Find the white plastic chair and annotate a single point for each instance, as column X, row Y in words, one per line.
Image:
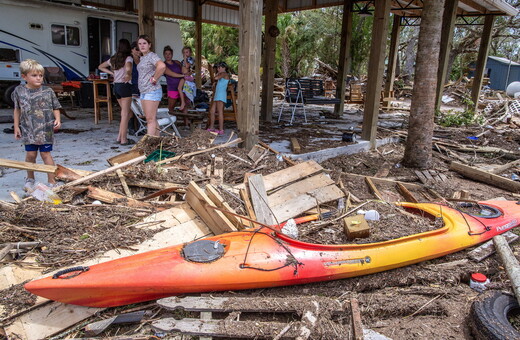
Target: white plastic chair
column 164, row 119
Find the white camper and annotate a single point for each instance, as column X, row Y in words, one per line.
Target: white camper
column 75, row 38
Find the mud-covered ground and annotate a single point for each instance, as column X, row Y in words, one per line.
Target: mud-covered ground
column 429, row 300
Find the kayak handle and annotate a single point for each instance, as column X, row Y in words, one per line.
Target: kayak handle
column 79, row 269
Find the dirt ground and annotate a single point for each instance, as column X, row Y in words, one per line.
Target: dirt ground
column 429, row 300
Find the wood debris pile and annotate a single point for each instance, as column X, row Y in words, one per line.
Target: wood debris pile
column 228, row 189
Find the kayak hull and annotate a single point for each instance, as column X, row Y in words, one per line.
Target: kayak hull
column 263, row 258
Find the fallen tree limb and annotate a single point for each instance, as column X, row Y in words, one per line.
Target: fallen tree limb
column 168, row 160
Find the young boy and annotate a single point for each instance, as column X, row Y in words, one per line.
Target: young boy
column 36, row 116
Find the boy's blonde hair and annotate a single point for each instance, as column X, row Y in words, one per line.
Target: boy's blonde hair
column 31, row 65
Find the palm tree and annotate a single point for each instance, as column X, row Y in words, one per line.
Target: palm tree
column 418, row 151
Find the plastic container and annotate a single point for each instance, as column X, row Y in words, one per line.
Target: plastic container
column 45, row 194
column 478, row 282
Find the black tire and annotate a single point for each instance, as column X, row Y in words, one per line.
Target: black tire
column 7, row 95
column 489, row 316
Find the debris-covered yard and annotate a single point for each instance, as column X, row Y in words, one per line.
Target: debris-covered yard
column 145, row 206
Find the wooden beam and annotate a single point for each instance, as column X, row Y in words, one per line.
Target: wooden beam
column 146, row 20
column 113, row 198
column 344, row 57
column 483, row 52
column 486, row 177
column 392, row 56
column 198, row 43
column 448, row 29
column 295, row 146
column 214, row 219
column 250, row 38
column 218, row 201
column 269, row 63
column 375, row 70
column 27, row 166
column 263, row 212
column 510, row 263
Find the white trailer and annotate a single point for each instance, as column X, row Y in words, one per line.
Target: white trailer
column 75, row 38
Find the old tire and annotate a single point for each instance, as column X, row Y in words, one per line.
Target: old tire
column 7, row 95
column 489, row 316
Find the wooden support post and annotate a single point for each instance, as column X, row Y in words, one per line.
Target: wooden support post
column 392, row 57
column 344, row 57
column 483, row 51
column 250, row 37
column 268, row 64
column 375, row 70
column 448, row 29
column 510, row 263
column 147, row 19
column 198, row 42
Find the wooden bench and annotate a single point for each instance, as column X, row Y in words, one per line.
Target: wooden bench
column 299, row 92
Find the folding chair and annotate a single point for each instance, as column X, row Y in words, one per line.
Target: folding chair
column 164, row 119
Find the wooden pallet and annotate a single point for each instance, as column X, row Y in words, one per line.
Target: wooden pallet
column 308, row 308
column 426, row 176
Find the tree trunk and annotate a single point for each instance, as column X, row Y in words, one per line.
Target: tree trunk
column 418, row 152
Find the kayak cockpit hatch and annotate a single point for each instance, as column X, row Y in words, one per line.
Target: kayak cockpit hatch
column 479, row 210
column 203, row 251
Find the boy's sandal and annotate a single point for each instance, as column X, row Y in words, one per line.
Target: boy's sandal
column 129, row 142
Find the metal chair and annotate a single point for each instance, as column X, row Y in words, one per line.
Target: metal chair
column 164, row 119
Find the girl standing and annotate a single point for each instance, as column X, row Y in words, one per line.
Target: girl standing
column 120, row 65
column 173, row 74
column 219, row 98
column 150, row 69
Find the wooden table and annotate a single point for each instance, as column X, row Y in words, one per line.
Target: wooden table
column 196, row 116
column 102, row 99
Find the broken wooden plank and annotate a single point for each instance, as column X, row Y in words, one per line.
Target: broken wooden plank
column 260, row 201
column 357, row 325
column 219, row 304
column 304, row 202
column 97, row 327
column 218, row 171
column 486, row 177
column 487, row 249
column 248, row 206
column 66, row 174
column 376, row 180
column 510, row 263
column 125, row 156
column 218, row 201
column 373, row 188
column 356, row 227
column 112, row 198
column 27, row 166
column 150, row 184
column 286, row 159
column 289, row 175
column 256, row 152
column 408, row 196
column 101, row 173
column 226, row 328
column 421, row 176
column 295, row 146
column 172, row 159
column 200, row 202
column 501, row 168
column 298, row 188
column 123, row 183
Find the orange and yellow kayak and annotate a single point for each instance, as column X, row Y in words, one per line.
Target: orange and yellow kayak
column 263, row 257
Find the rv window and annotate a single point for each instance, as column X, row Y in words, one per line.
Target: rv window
column 58, row 34
column 72, row 36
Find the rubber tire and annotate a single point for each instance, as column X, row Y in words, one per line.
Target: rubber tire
column 488, row 318
column 7, row 95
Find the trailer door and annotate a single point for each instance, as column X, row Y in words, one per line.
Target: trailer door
column 99, row 42
column 126, row 30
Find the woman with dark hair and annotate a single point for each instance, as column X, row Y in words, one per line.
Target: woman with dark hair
column 173, row 74
column 150, row 69
column 120, row 67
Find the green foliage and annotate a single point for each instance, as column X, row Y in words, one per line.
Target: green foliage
column 459, row 118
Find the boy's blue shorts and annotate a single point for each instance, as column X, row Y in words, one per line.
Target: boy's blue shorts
column 42, row 148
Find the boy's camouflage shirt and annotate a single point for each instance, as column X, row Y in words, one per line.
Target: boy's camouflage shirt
column 36, row 116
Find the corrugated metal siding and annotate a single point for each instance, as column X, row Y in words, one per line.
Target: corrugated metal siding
column 182, row 8
column 499, row 71
column 222, row 15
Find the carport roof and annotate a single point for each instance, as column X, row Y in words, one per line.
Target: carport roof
column 225, row 12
